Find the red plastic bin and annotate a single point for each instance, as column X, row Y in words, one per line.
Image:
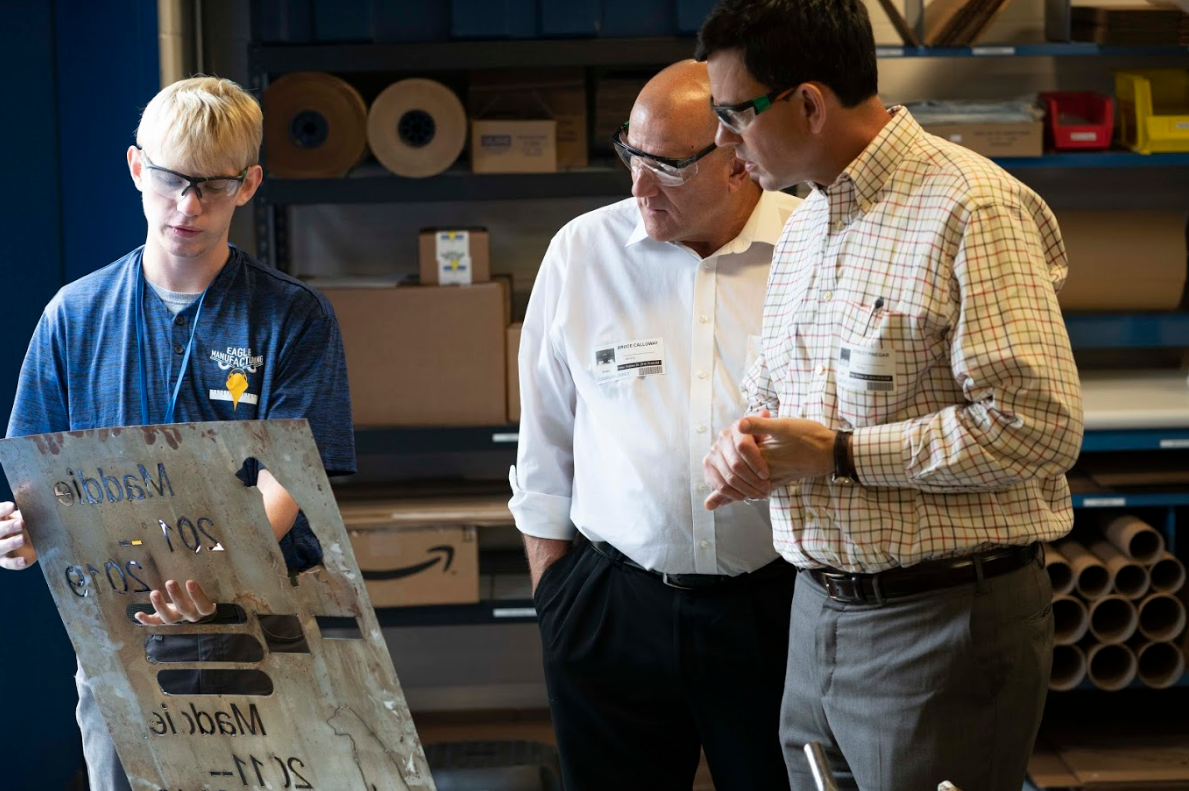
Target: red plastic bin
column 1078, row 120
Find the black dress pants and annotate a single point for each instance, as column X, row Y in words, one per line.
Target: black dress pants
column 641, row 675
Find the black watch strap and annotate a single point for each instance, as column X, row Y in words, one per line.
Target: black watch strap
column 844, row 471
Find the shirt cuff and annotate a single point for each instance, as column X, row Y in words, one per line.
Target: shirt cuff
column 879, row 458
column 540, row 515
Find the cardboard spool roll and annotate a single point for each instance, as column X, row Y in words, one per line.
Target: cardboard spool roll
column 1059, row 571
column 1167, row 574
column 1135, row 538
column 1069, row 667
column 1161, row 617
column 1091, row 578
column 417, row 128
column 1071, row 620
column 1128, row 578
column 315, row 126
column 1159, row 665
column 1113, row 619
column 1110, row 666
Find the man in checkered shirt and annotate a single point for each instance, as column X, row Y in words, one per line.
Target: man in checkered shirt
column 914, row 409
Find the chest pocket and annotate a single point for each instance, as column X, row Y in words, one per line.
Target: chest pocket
column 882, row 358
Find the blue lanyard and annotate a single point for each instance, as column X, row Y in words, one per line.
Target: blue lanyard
column 141, row 331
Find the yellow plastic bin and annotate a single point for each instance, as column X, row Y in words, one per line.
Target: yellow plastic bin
column 1153, row 109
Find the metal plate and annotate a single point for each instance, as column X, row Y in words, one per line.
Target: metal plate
column 116, row 512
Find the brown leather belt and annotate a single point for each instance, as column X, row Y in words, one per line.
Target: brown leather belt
column 688, row 581
column 843, row 586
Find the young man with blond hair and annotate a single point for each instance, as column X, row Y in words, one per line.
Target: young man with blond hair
column 186, row 328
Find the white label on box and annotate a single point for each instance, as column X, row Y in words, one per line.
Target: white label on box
column 1083, row 137
column 1175, row 442
column 454, row 258
column 867, row 369
column 1182, row 124
column 630, row 360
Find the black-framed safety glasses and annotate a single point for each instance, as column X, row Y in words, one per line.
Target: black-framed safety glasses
column 737, row 117
column 175, row 186
column 668, row 172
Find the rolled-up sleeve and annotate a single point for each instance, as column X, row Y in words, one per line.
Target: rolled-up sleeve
column 542, row 480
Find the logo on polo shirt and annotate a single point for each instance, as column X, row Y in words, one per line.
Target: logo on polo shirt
column 239, row 362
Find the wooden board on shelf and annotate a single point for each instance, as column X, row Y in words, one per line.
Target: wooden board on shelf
column 489, row 510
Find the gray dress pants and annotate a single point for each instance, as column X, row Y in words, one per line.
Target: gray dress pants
column 944, row 685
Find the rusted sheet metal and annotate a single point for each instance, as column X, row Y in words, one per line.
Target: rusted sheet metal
column 115, row 512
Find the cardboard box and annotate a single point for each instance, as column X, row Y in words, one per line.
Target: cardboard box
column 528, row 94
column 1024, row 139
column 425, row 355
column 514, row 373
column 454, row 256
column 514, row 146
column 1123, row 260
column 404, row 566
column 421, row 550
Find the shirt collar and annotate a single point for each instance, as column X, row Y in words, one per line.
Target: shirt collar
column 871, row 169
column 764, row 226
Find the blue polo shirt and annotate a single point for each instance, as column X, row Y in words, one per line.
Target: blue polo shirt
column 258, row 327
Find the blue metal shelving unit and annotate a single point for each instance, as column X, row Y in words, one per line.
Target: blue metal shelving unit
column 1046, row 50
column 1128, row 330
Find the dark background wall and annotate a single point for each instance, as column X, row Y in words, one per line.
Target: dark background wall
column 78, row 75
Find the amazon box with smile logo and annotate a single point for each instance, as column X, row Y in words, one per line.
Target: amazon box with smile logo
column 416, row 551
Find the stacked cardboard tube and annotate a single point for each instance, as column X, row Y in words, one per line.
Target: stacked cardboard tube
column 1116, row 610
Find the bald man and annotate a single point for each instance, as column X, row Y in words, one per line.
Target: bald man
column 663, row 624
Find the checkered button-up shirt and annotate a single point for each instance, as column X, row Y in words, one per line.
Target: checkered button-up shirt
column 914, row 301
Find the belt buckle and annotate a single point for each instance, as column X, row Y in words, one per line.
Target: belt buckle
column 837, row 591
column 665, row 578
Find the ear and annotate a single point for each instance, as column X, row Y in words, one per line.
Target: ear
column 135, row 167
column 812, row 102
column 736, row 173
column 252, row 180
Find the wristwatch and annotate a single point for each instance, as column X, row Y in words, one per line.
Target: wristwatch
column 844, row 471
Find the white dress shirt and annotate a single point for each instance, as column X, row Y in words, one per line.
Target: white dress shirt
column 631, row 359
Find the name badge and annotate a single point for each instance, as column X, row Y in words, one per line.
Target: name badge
column 867, row 369
column 629, row 360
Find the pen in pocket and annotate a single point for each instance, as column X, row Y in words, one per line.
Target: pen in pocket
column 878, row 306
